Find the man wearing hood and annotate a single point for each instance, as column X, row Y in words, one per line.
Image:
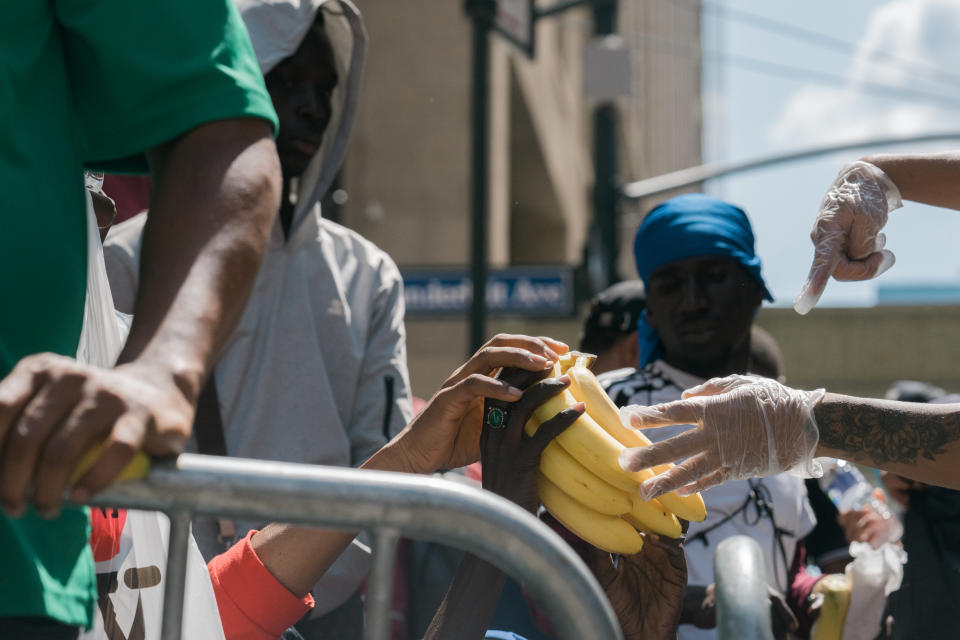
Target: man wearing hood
column 695, row 255
column 316, row 370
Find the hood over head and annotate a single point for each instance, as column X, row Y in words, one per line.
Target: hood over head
column 277, row 27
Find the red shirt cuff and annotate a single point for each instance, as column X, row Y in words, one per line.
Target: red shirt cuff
column 253, row 604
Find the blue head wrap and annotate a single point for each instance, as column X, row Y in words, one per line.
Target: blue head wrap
column 688, row 226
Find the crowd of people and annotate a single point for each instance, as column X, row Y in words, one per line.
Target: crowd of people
column 254, row 327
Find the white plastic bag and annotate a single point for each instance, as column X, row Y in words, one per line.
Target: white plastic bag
column 136, row 576
column 874, row 574
column 104, row 329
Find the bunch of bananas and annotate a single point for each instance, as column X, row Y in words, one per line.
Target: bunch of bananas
column 581, row 482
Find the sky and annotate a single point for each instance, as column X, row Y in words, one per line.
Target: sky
column 857, row 70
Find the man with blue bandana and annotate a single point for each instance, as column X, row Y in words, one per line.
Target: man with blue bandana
column 695, row 255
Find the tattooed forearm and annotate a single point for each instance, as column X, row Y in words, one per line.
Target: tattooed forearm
column 883, row 432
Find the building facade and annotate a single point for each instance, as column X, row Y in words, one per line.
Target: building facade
column 406, row 178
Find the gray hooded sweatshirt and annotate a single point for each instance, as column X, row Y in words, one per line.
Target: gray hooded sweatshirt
column 316, row 370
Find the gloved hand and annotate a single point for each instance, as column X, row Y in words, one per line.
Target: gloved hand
column 746, row 426
column 847, row 242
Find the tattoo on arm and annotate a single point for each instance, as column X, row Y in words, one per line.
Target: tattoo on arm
column 887, row 432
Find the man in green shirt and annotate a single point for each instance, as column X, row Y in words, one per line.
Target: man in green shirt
column 171, row 87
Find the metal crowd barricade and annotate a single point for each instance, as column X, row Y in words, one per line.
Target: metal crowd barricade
column 743, row 606
column 386, row 504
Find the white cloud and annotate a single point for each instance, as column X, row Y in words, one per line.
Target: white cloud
column 905, row 41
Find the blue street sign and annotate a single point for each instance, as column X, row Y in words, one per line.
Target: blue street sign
column 517, row 290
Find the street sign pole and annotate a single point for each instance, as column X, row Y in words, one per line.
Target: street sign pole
column 482, row 13
column 515, row 20
column 606, row 187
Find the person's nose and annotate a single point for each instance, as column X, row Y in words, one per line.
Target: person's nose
column 310, row 104
column 694, row 294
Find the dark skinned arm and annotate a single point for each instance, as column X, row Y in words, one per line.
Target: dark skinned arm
column 216, row 192
column 469, row 603
column 510, row 465
column 445, row 435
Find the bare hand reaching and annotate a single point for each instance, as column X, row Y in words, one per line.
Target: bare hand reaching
column 446, row 434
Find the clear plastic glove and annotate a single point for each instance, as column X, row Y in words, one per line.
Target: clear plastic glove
column 847, row 242
column 746, row 426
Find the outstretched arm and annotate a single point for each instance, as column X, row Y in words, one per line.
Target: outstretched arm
column 445, row 435
column 510, row 465
column 847, row 237
column 928, row 178
column 748, row 426
column 917, row 441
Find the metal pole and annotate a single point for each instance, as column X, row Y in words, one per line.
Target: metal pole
column 416, row 506
column 606, row 189
column 380, row 590
column 176, row 577
column 481, row 12
column 694, row 175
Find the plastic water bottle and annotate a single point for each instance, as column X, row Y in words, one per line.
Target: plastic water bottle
column 848, row 489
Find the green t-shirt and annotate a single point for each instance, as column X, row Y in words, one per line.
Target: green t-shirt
column 90, row 83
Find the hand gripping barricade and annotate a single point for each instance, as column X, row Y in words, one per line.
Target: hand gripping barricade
column 388, row 505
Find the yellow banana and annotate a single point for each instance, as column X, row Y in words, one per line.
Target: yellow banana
column 636, row 524
column 592, row 447
column 835, row 589
column 557, row 369
column 577, row 481
column 581, row 484
column 609, row 533
column 687, row 507
column 653, row 517
column 585, row 388
column 565, row 361
column 574, row 358
column 138, row 467
column 585, row 360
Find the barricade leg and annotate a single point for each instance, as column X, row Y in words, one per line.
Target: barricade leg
column 176, row 578
column 743, row 608
column 380, row 588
